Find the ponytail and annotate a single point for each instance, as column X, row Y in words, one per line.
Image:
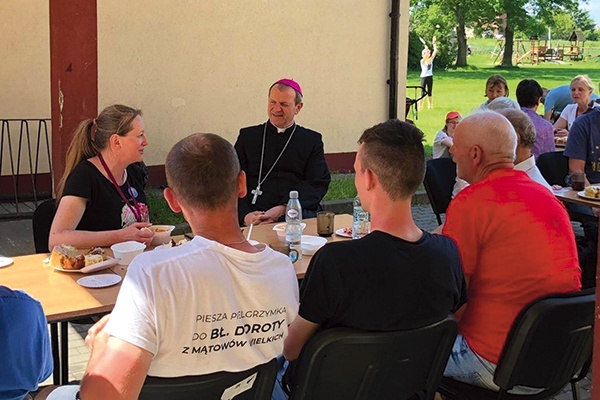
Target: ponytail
column 82, row 147
column 92, row 136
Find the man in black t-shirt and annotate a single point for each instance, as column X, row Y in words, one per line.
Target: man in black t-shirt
column 397, row 277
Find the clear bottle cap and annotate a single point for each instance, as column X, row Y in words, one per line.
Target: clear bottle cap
column 293, row 194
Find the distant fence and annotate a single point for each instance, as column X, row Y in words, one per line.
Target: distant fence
column 25, row 166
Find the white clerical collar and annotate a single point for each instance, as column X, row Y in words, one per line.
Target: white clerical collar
column 282, row 130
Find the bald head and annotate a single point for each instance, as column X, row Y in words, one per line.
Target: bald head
column 483, row 142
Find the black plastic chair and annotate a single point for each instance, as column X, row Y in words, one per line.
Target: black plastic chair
column 42, row 221
column 342, row 363
column 548, row 345
column 440, row 177
column 261, row 380
column 554, row 167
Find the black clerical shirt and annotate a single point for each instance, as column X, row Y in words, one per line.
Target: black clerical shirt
column 302, row 167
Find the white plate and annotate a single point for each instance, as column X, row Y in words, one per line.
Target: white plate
column 99, row 281
column 340, row 232
column 310, row 244
column 109, row 262
column 582, row 194
column 5, row 261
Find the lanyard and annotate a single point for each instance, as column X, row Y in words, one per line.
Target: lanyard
column 134, row 208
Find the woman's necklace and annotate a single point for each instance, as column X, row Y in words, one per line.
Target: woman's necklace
column 257, row 192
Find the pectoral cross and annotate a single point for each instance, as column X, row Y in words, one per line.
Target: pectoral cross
column 256, row 192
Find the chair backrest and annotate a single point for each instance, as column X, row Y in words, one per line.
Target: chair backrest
column 440, row 176
column 42, row 221
column 341, row 363
column 549, row 342
column 554, row 167
column 261, row 380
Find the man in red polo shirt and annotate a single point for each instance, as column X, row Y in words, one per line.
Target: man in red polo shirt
column 515, row 240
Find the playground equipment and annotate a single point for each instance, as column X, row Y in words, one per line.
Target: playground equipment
column 539, row 50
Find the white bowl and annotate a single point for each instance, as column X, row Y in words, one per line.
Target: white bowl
column 162, row 234
column 310, row 244
column 125, row 252
column 280, row 229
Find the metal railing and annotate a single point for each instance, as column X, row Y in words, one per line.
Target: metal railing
column 21, row 188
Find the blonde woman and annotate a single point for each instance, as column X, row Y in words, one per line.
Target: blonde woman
column 581, row 90
column 427, row 58
column 101, row 194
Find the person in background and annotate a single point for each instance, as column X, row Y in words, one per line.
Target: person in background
column 24, row 344
column 279, row 156
column 582, row 146
column 496, row 86
column 503, row 103
column 427, row 58
column 529, row 95
column 443, row 139
column 581, row 90
column 101, row 199
column 526, row 136
column 398, row 276
column 556, row 100
column 501, row 211
column 173, row 301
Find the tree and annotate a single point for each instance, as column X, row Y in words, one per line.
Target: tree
column 428, row 20
column 584, row 22
column 452, row 15
column 520, row 15
column 562, row 25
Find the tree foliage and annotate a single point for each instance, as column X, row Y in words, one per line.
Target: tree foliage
column 518, row 19
column 425, row 23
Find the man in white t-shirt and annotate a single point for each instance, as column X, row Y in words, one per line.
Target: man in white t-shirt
column 216, row 303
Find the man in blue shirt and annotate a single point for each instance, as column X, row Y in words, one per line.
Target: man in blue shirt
column 24, row 344
column 583, row 146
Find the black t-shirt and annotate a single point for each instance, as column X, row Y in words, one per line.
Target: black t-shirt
column 383, row 283
column 302, row 167
column 105, row 209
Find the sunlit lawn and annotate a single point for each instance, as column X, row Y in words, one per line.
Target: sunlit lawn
column 463, row 89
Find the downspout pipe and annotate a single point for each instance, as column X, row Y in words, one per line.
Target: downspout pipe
column 393, row 79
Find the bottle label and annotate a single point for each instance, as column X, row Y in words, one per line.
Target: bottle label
column 294, row 255
column 292, row 213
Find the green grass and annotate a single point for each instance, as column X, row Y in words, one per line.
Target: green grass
column 462, row 89
column 160, row 213
column 341, row 187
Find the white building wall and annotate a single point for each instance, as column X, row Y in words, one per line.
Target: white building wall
column 205, row 66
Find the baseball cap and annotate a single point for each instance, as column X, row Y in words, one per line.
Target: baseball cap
column 452, row 115
column 291, row 83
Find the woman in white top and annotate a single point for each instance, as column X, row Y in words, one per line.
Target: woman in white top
column 443, row 139
column 581, row 90
column 427, row 72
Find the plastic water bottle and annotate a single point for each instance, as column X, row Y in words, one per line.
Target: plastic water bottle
column 362, row 220
column 293, row 227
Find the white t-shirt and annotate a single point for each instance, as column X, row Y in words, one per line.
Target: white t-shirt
column 440, row 150
column 569, row 113
column 203, row 307
column 426, row 68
